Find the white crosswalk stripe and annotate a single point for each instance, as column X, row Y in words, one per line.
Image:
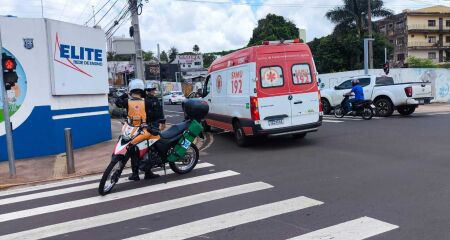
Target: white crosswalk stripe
column 77, row 188
column 69, row 226
column 232, row 219
column 357, row 229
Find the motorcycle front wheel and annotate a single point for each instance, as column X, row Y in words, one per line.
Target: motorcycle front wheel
column 186, row 163
column 111, row 175
column 367, row 113
column 339, row 111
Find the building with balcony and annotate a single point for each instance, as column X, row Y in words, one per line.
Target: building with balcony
column 422, row 33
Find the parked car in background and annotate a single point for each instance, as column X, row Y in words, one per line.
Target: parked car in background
column 173, row 97
column 386, row 95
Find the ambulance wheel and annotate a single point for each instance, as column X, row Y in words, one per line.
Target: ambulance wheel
column 188, row 162
column 170, row 102
column 239, row 135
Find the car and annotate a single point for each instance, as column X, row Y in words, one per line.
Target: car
column 386, row 95
column 193, row 95
column 173, row 97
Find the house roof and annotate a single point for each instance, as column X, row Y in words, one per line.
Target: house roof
column 433, row 9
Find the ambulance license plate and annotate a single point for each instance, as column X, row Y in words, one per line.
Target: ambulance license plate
column 276, row 122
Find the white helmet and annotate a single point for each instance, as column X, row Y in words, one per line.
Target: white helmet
column 136, row 85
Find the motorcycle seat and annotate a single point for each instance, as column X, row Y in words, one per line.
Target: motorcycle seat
column 174, row 130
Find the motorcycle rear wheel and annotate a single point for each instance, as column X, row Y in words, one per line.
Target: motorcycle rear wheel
column 111, row 175
column 339, row 111
column 367, row 113
column 188, row 162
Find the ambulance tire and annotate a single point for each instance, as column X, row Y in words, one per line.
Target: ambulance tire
column 239, row 135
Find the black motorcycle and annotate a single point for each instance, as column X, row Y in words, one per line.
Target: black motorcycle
column 364, row 109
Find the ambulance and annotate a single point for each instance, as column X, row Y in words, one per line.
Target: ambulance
column 266, row 90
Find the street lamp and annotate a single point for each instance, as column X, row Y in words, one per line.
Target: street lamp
column 366, row 54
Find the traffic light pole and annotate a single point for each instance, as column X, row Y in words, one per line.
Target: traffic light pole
column 8, row 128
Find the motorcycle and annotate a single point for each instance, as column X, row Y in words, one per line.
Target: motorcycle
column 364, row 108
column 156, row 153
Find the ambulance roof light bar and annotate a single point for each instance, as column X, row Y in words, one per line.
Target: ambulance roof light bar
column 281, row 42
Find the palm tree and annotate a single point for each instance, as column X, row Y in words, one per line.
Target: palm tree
column 353, row 14
column 196, row 48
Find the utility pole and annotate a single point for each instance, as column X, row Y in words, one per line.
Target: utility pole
column 139, row 67
column 366, row 54
column 93, row 13
column 42, row 9
column 8, row 125
column 369, row 27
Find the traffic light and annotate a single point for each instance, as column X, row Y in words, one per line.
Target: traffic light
column 386, row 68
column 9, row 71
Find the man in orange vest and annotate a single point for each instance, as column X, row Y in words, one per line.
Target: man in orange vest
column 139, row 111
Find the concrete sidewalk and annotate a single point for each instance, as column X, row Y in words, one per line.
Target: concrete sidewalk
column 435, row 107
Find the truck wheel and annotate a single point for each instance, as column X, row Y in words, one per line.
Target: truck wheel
column 406, row 110
column 326, row 107
column 239, row 135
column 384, row 107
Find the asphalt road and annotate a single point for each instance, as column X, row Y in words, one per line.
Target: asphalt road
column 386, row 178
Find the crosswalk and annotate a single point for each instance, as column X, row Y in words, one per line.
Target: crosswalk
column 333, row 119
column 73, row 209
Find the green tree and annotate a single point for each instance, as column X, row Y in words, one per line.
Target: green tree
column 196, row 48
column 344, row 51
column 414, row 62
column 173, row 52
column 208, row 59
column 353, row 14
column 273, row 27
column 164, row 57
column 148, row 56
column 113, row 57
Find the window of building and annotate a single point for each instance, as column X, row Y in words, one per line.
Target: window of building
column 412, row 35
column 400, row 57
column 391, row 25
column 197, row 63
column 431, row 39
column 399, row 24
column 189, row 65
column 431, row 23
column 447, row 39
column 400, row 41
column 432, row 55
column 391, row 41
column 383, row 29
column 447, row 23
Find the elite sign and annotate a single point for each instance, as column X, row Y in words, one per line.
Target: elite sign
column 79, row 61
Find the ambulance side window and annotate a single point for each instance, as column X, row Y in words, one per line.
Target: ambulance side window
column 301, row 74
column 272, row 77
column 207, row 87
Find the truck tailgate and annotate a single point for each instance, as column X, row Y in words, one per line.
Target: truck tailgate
column 421, row 90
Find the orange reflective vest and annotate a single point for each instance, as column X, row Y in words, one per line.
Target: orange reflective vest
column 136, row 112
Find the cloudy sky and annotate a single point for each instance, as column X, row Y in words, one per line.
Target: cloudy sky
column 214, row 25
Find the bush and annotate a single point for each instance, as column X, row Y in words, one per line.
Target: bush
column 414, row 62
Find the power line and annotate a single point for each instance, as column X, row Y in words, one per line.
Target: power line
column 125, row 7
column 97, row 12
column 98, row 23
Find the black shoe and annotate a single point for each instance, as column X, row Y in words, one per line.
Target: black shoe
column 134, row 177
column 151, row 175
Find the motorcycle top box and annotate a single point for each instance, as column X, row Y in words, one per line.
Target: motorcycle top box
column 196, row 109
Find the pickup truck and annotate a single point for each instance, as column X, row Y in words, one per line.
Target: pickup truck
column 386, row 95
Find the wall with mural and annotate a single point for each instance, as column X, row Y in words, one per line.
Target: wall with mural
column 45, row 101
column 439, row 78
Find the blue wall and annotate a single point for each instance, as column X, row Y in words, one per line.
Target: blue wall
column 40, row 135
